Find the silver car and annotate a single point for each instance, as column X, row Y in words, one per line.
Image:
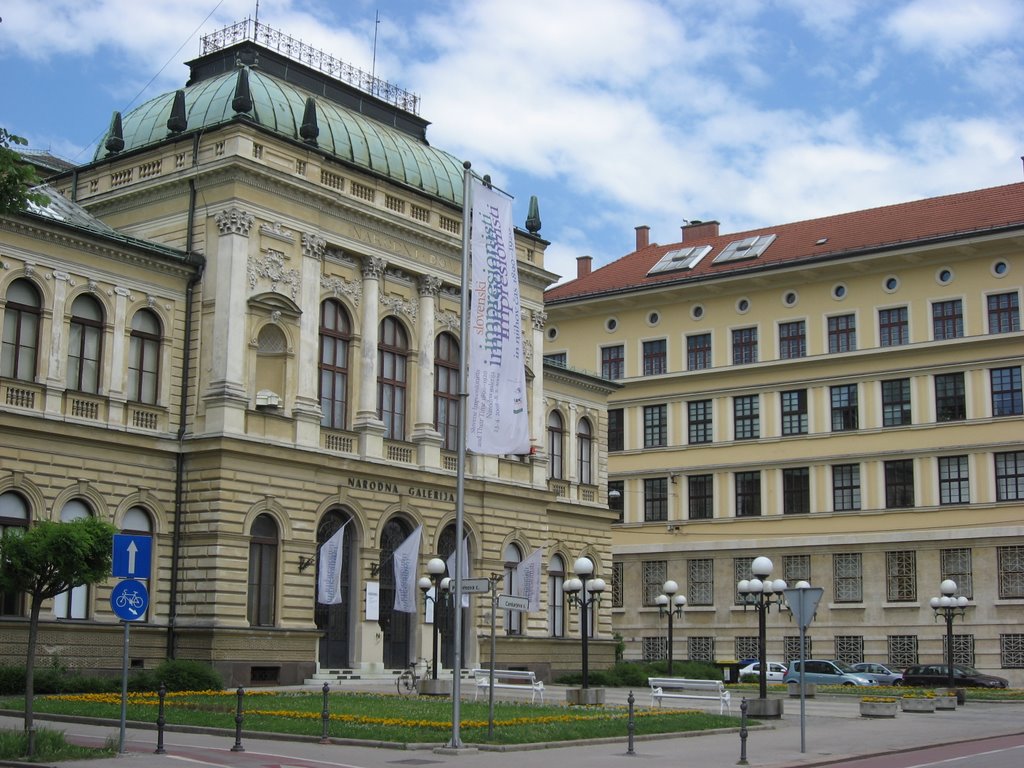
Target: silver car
column 879, row 674
column 825, row 672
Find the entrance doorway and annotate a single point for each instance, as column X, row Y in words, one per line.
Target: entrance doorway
column 395, row 626
column 335, row 621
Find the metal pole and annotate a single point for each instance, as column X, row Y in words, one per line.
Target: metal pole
column 803, row 663
column 160, row 721
column 762, row 608
column 630, row 724
column 433, row 674
column 124, row 688
column 490, row 679
column 325, row 717
column 949, row 647
column 743, row 733
column 670, row 643
column 583, row 632
column 238, row 722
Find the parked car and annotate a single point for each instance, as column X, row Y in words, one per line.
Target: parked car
column 879, row 674
column 825, row 672
column 776, row 671
column 928, row 675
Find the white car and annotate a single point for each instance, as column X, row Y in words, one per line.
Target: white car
column 776, row 671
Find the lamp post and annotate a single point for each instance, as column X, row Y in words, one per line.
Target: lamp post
column 670, row 604
column 583, row 592
column 761, row 593
column 949, row 606
column 434, row 580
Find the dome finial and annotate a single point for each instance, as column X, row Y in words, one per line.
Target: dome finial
column 309, row 129
column 115, row 135
column 533, row 216
column 177, row 122
column 242, row 102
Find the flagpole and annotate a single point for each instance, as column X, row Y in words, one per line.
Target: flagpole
column 460, row 473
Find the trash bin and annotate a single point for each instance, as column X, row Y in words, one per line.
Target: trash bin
column 730, row 671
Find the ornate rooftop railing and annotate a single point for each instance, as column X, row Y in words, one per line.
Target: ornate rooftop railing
column 250, row 29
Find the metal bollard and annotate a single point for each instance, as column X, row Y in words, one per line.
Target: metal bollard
column 630, row 724
column 160, row 721
column 743, row 733
column 238, row 723
column 325, row 718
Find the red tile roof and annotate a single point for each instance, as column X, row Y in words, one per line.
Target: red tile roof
column 936, row 218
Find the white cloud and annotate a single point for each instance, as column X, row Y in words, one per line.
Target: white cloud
column 951, row 28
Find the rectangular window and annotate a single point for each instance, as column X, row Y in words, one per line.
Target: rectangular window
column 617, row 503
column 655, row 357
column 847, row 577
column 954, row 482
column 655, row 426
column 1011, row 572
column 557, row 358
column 796, row 491
column 947, row 319
column 893, row 327
column 842, row 334
column 791, row 648
column 748, row 494
column 701, row 648
column 900, row 576
column 1003, row 313
column 747, row 417
column 845, row 412
column 849, row 648
column 746, row 647
column 1006, row 392
column 701, row 497
column 796, row 568
column 899, row 484
column 698, row 352
column 699, row 418
column 612, row 362
column 1010, row 476
column 950, row 397
column 845, row 487
column 700, row 582
column 616, row 430
column 654, row 648
column 740, row 570
column 744, row 346
column 955, row 564
column 792, row 340
column 655, row 572
column 1011, row 651
column 794, row 412
column 616, row 585
column 896, row 403
column 655, row 499
column 902, row 651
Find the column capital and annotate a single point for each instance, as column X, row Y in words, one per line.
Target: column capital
column 373, row 267
column 234, row 221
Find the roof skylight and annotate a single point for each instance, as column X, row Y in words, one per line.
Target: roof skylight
column 681, row 258
column 747, row 248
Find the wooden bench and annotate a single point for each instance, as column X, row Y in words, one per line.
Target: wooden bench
column 512, row 679
column 682, row 688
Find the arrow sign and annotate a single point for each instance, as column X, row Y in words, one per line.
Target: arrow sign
column 129, row 600
column 132, row 556
column 513, row 603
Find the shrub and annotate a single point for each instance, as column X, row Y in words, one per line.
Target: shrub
column 633, row 674
column 184, row 675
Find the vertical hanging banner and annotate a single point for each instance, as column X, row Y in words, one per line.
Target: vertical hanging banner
column 405, row 560
column 527, row 581
column 497, row 420
column 328, row 588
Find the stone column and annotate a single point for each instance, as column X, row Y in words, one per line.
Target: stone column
column 306, row 410
column 424, row 433
column 56, row 369
column 367, row 424
column 538, row 422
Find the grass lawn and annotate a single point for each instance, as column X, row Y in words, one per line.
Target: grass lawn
column 50, row 747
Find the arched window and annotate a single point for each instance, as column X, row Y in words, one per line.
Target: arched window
column 137, row 521
column 392, row 362
column 513, row 619
column 556, row 446
column 85, row 344
column 335, row 335
column 144, row 358
column 584, row 452
column 13, row 519
column 556, row 596
column 73, row 604
column 20, row 347
column 447, row 375
column 262, row 571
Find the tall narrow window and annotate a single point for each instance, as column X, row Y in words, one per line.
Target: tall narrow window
column 842, row 333
column 513, row 557
column 556, row 596
column 701, row 497
column 1006, row 392
column 899, row 483
column 744, row 346
column 700, row 582
column 655, row 426
column 955, row 564
column 144, row 358
column 616, row 430
column 262, row 571
column 845, row 412
column 655, row 499
column 947, row 319
column 14, row 517
column 447, row 371
column 954, row 480
column 1010, row 476
column 392, row 362
column 950, row 397
column 748, row 494
column 20, row 348
column 901, row 576
column 746, row 417
column 335, row 338
column 896, row 403
column 893, row 327
column 698, row 351
column 848, row 577
column 794, row 412
column 655, row 357
column 585, row 452
column 1003, row 313
column 85, row 343
column 699, row 421
column 796, row 491
column 556, row 446
column 792, row 340
column 845, row 487
column 1010, row 561
column 617, row 498
column 613, row 362
column 73, row 604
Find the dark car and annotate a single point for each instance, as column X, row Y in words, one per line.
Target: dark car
column 879, row 674
column 928, row 675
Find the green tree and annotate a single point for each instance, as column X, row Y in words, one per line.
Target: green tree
column 46, row 560
column 16, row 176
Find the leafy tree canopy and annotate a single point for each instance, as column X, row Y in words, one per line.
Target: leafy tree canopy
column 16, row 176
column 50, row 558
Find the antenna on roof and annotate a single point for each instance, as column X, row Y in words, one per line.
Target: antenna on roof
column 373, row 63
column 257, row 19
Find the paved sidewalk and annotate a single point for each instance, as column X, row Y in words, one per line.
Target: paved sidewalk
column 834, row 731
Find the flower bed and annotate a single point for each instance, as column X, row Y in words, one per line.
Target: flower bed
column 878, row 706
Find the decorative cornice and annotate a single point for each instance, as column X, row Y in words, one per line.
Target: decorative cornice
column 446, row 319
column 400, row 306
column 340, row 286
column 271, row 267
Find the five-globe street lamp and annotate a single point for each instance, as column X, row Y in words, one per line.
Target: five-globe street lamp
column 949, row 606
column 583, row 592
column 436, row 580
column 670, row 604
column 761, row 592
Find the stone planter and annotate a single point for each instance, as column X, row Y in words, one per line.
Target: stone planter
column 945, row 702
column 878, row 708
column 440, row 687
column 584, row 697
column 918, row 705
column 765, row 708
column 810, row 689
column 959, row 693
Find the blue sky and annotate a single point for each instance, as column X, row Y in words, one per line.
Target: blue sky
column 615, row 113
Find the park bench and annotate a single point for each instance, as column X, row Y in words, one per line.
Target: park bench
column 512, row 679
column 682, row 688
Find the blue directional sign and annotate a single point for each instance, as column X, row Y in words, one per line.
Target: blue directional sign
column 132, row 556
column 129, row 599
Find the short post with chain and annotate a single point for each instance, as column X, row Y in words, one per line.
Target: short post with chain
column 238, row 723
column 160, row 720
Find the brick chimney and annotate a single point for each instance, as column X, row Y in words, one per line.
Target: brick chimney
column 583, row 266
column 699, row 230
column 643, row 236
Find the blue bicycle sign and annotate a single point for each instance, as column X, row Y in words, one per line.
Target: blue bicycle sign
column 129, row 599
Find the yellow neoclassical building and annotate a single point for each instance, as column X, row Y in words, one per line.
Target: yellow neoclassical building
column 841, row 395
column 236, row 329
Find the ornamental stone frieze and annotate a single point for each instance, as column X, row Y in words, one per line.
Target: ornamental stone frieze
column 234, row 221
column 400, row 306
column 339, row 286
column 277, row 230
column 270, row 267
column 447, row 319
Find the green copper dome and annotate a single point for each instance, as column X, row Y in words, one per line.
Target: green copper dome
column 278, row 106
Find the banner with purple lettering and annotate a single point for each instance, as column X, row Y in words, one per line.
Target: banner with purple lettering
column 328, row 587
column 497, row 420
column 405, row 559
column 527, row 579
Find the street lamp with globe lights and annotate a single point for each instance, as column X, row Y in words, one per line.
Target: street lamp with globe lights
column 761, row 593
column 435, row 580
column 670, row 604
column 583, row 592
column 949, row 606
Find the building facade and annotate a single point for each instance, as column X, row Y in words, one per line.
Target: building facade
column 237, row 330
column 841, row 395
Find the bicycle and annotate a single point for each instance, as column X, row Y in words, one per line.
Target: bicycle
column 408, row 679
